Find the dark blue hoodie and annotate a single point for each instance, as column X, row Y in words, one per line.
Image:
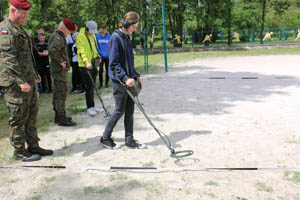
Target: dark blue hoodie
column 117, row 58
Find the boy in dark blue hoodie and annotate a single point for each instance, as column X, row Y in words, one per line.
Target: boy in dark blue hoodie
column 102, row 40
column 117, row 67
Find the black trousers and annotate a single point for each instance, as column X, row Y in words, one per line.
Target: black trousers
column 76, row 76
column 103, row 61
column 89, row 87
column 123, row 104
column 46, row 81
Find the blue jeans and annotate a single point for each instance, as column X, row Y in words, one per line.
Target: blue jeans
column 123, row 104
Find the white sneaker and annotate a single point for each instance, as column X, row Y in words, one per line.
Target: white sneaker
column 98, row 109
column 91, row 112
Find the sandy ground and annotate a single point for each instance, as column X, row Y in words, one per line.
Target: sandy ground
column 231, row 122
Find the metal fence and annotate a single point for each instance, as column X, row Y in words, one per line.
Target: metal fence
column 220, row 38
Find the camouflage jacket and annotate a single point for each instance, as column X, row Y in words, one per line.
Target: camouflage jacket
column 58, row 53
column 17, row 64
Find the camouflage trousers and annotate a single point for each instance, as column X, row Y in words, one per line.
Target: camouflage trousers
column 59, row 96
column 22, row 117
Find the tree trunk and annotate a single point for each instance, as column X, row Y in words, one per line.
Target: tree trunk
column 229, row 26
column 45, row 5
column 263, row 20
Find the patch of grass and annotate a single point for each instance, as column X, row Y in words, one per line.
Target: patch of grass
column 154, row 188
column 34, row 197
column 263, row 187
column 148, row 164
column 6, row 151
column 14, row 180
column 293, row 140
column 209, row 194
column 50, row 179
column 134, row 183
column 91, row 189
column 156, row 61
column 103, row 190
column 164, row 161
column 292, row 176
column 118, row 176
column 211, row 183
column 76, row 108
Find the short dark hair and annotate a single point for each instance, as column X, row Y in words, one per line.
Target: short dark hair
column 103, row 26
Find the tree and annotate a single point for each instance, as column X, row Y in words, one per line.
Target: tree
column 264, row 2
column 3, row 7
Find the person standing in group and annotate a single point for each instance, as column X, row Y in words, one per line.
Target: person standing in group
column 118, row 72
column 42, row 60
column 102, row 40
column 17, row 78
column 59, row 67
column 76, row 75
column 88, row 61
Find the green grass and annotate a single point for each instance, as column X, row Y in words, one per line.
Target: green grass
column 117, row 176
column 76, row 102
column 147, row 164
column 34, row 197
column 263, row 187
column 292, row 176
column 91, row 189
column 50, row 179
column 211, row 183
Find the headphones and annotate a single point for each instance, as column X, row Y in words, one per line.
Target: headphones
column 126, row 23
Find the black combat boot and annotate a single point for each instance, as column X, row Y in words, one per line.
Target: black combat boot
column 62, row 121
column 40, row 151
column 64, row 116
column 68, row 118
column 26, row 156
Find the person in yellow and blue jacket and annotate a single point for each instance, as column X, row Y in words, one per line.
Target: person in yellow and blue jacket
column 87, row 55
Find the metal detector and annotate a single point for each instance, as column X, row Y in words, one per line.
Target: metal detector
column 163, row 136
column 107, row 114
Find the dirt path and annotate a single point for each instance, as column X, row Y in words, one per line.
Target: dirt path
column 231, row 122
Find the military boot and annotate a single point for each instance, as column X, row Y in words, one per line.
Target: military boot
column 56, row 118
column 40, row 151
column 68, row 118
column 26, row 156
column 62, row 121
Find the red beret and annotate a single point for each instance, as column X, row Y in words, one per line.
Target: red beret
column 69, row 24
column 21, row 4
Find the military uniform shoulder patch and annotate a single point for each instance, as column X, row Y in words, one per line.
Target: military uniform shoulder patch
column 4, row 32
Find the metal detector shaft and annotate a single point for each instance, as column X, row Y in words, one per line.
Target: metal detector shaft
column 98, row 94
column 174, row 154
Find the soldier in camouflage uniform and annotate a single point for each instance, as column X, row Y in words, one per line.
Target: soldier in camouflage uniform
column 17, row 78
column 59, row 67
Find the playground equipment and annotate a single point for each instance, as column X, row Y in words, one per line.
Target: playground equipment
column 268, row 36
column 146, row 30
column 236, row 36
column 298, row 35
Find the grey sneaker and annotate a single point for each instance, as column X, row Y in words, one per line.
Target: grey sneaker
column 109, row 144
column 134, row 144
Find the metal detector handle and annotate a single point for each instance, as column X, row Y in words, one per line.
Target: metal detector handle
column 107, row 114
